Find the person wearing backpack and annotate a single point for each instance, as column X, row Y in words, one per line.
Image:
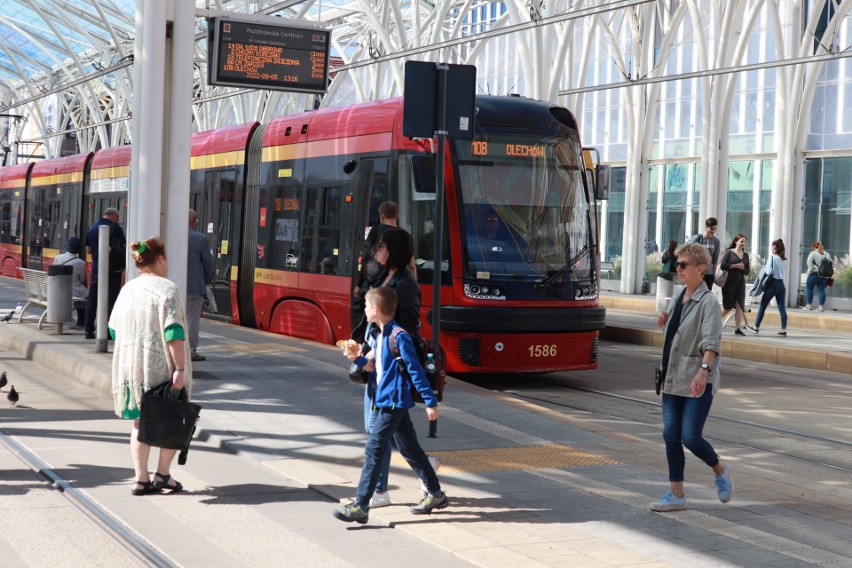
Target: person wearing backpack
column 392, row 399
column 394, row 252
column 713, row 245
column 820, row 269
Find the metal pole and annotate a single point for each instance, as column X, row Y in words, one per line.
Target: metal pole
column 441, row 133
column 103, row 289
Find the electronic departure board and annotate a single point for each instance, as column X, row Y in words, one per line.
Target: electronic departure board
column 267, row 55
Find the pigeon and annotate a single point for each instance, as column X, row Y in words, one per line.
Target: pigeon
column 8, row 316
column 13, row 396
column 3, row 380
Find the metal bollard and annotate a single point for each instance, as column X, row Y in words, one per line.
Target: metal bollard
column 59, row 295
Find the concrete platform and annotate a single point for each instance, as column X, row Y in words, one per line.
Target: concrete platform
column 819, row 341
column 528, row 486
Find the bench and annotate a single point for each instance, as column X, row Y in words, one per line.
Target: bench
column 35, row 286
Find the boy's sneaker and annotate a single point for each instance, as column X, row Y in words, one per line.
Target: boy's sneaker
column 430, row 503
column 380, row 500
column 350, row 512
column 806, row 307
column 669, row 502
column 820, row 309
column 724, row 485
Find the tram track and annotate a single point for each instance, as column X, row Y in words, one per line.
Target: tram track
column 563, row 392
column 140, row 549
column 735, row 421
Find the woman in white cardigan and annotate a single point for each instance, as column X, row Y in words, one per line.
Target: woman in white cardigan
column 148, row 325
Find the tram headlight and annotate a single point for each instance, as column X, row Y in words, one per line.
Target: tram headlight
column 474, row 289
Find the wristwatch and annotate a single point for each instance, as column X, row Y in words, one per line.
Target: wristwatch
column 706, row 367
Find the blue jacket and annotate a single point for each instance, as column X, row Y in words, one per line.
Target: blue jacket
column 394, row 390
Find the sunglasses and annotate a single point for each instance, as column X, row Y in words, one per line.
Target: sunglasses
column 682, row 264
column 492, row 219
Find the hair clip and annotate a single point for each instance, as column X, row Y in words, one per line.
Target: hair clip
column 142, row 247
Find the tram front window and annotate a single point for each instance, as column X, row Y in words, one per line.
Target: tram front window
column 526, row 224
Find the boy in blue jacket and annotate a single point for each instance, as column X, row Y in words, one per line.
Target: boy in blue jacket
column 392, row 398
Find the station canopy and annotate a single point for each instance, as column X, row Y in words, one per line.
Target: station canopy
column 47, row 43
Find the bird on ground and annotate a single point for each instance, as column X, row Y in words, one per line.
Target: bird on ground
column 8, row 316
column 3, row 380
column 13, row 396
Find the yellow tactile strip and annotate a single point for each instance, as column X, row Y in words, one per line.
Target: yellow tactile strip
column 518, row 458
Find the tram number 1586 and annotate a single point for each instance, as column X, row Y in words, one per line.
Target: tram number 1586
column 542, row 351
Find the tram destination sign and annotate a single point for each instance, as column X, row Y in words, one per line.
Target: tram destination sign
column 283, row 56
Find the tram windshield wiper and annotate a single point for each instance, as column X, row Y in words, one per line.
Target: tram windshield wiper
column 551, row 279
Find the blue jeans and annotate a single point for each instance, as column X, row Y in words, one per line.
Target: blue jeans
column 777, row 290
column 393, row 424
column 683, row 425
column 814, row 279
column 384, row 463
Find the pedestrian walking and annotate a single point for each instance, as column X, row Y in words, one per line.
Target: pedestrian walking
column 669, row 257
column 709, row 240
column 199, row 274
column 392, row 398
column 820, row 268
column 690, row 361
column 776, row 268
column 736, row 263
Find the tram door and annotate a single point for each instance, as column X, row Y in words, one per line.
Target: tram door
column 372, row 190
column 216, row 219
column 37, row 225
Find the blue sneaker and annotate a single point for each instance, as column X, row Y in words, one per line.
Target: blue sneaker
column 669, row 502
column 724, row 485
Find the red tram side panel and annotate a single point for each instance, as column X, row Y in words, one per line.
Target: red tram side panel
column 54, row 205
column 13, row 185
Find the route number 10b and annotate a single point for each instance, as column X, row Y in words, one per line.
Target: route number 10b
column 542, row 351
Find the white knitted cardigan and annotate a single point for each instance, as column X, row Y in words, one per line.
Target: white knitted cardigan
column 146, row 306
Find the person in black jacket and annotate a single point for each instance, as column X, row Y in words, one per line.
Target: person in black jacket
column 394, row 251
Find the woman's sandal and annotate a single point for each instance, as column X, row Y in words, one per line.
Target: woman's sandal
column 163, row 483
column 144, row 488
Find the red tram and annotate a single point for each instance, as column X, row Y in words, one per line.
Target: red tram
column 286, row 205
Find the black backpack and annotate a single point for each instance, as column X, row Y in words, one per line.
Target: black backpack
column 431, row 356
column 825, row 268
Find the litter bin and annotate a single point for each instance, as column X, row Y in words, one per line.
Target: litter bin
column 665, row 289
column 59, row 294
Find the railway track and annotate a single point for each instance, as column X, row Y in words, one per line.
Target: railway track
column 140, row 551
column 756, row 409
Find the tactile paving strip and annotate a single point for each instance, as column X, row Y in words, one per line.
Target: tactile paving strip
column 518, row 458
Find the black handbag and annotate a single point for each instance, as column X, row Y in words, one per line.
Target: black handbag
column 167, row 419
column 659, row 378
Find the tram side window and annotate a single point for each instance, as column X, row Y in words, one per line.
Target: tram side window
column 5, row 221
column 284, row 236
column 13, row 212
column 321, row 236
